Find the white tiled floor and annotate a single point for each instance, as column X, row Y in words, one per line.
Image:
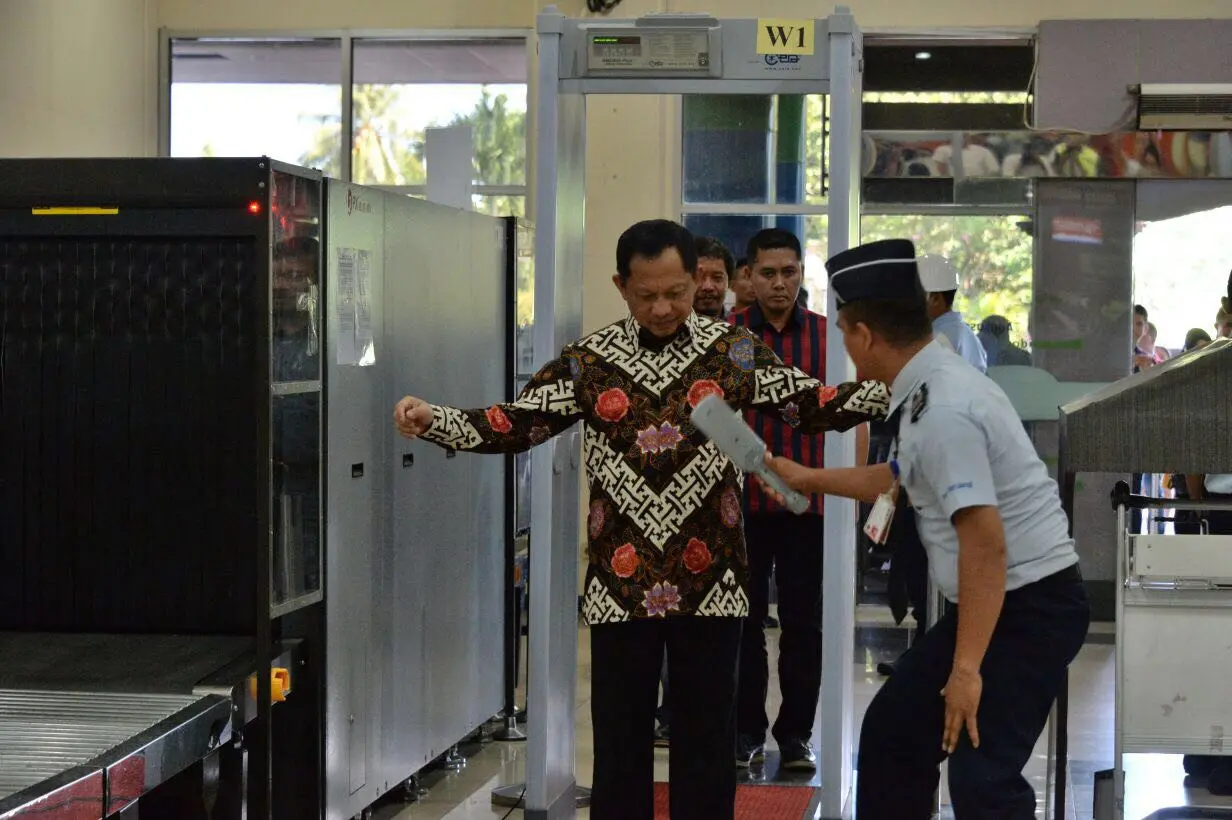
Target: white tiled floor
column 1154, row 782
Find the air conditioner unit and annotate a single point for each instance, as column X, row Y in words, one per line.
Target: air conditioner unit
column 1184, row 106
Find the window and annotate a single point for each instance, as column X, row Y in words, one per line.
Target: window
column 1181, row 256
column 232, row 97
column 754, row 149
column 754, row 162
column 993, row 256
column 402, row 87
column 282, row 97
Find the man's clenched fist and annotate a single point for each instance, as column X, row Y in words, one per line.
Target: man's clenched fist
column 412, row 417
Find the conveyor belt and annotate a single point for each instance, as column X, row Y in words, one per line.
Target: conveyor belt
column 114, row 663
column 90, row 723
column 44, row 733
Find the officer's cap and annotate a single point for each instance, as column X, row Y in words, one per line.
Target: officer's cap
column 880, row 270
column 937, row 275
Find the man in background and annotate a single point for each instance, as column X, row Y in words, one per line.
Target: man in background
column 940, row 281
column 994, row 335
column 779, row 543
column 715, row 267
column 296, row 445
column 743, row 297
column 1142, row 358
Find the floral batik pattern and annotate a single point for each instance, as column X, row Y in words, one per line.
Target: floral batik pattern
column 664, row 518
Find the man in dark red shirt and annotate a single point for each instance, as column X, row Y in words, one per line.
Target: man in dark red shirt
column 789, row 546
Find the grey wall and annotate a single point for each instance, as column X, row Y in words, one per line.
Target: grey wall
column 1086, row 66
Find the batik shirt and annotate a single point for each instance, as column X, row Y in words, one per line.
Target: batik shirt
column 664, row 523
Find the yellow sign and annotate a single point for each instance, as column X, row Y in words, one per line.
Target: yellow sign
column 74, row 211
column 786, row 37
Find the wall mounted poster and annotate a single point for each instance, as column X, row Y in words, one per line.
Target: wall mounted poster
column 354, row 308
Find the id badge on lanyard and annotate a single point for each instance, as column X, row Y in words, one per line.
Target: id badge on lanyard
column 877, row 524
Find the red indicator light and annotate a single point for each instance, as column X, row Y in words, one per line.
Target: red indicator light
column 254, row 207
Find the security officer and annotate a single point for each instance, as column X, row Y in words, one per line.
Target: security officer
column 979, row 685
column 940, row 282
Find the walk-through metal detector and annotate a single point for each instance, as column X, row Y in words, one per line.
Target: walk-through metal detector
column 670, row 54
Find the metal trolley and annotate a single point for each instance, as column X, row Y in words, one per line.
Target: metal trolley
column 1174, row 619
column 1173, row 593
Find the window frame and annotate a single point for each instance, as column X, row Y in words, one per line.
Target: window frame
column 348, row 39
column 774, row 208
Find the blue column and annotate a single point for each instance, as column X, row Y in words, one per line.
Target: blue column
column 789, row 162
column 725, row 160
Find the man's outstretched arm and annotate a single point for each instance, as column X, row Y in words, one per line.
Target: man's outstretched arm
column 804, row 403
column 547, row 406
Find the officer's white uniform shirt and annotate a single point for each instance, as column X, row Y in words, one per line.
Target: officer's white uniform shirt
column 950, row 329
column 961, row 444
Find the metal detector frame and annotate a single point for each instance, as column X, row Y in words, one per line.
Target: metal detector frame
column 835, row 68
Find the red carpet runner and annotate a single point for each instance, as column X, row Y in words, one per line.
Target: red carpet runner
column 754, row 802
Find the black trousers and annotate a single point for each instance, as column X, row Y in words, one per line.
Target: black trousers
column 1041, row 628
column 908, row 582
column 625, row 662
column 791, row 547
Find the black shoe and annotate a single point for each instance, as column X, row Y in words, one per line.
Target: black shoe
column 797, row 756
column 1199, row 766
column 749, row 751
column 662, row 737
column 1220, row 781
column 885, row 669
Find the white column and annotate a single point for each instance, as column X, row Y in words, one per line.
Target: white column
column 78, row 78
column 837, row 738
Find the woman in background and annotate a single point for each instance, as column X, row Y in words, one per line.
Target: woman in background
column 1223, row 320
column 1196, row 339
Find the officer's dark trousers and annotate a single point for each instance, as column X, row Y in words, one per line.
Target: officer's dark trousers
column 626, row 659
column 1041, row 629
column 791, row 547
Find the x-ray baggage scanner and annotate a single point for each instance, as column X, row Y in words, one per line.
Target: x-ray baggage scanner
column 670, row 54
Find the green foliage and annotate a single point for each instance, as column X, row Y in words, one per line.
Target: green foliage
column 816, row 145
column 389, row 153
column 500, row 151
column 500, row 140
column 384, row 151
column 992, row 255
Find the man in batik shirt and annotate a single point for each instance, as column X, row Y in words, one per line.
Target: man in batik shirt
column 667, row 563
